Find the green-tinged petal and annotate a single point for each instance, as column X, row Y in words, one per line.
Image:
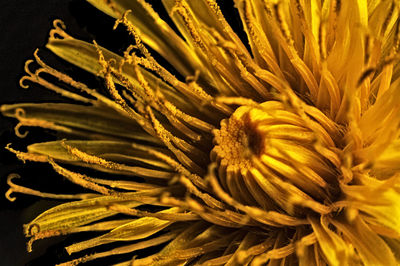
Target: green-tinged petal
column 86, row 56
column 56, row 150
column 85, row 121
column 76, row 213
column 144, row 164
column 124, row 249
column 135, row 230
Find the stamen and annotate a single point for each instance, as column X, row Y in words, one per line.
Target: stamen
column 124, row 249
column 150, row 63
column 167, row 137
column 136, row 170
column 209, row 200
column 80, row 179
column 197, row 180
column 158, row 101
column 42, row 235
column 176, row 217
column 34, row 77
column 92, row 159
column 281, row 22
column 68, row 80
column 16, row 188
column 237, row 101
column 227, row 28
column 149, row 60
column 270, row 218
column 243, row 255
column 263, row 46
column 127, row 185
column 24, row 156
column 181, row 8
column 117, row 97
column 59, row 30
column 322, row 40
column 33, row 122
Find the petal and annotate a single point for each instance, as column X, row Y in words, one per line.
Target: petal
column 370, row 247
column 76, row 213
column 135, row 230
column 155, row 32
column 388, row 163
column 335, row 249
column 145, row 165
column 85, row 121
column 86, row 56
column 378, row 199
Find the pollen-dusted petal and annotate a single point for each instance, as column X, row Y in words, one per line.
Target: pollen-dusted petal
column 156, row 32
column 150, row 167
column 85, row 56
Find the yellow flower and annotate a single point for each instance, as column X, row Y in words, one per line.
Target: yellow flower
column 284, row 154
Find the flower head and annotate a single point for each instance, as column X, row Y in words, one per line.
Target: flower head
column 286, row 152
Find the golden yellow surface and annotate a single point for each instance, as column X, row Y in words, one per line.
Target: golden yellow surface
column 284, row 154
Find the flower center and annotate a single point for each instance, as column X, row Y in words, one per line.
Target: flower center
column 270, row 157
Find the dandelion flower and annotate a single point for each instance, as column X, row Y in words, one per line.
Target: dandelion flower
column 282, row 151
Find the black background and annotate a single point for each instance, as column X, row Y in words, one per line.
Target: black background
column 24, row 26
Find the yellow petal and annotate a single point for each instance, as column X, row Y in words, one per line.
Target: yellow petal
column 370, row 247
column 76, row 213
column 335, row 249
column 155, row 32
column 137, row 229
